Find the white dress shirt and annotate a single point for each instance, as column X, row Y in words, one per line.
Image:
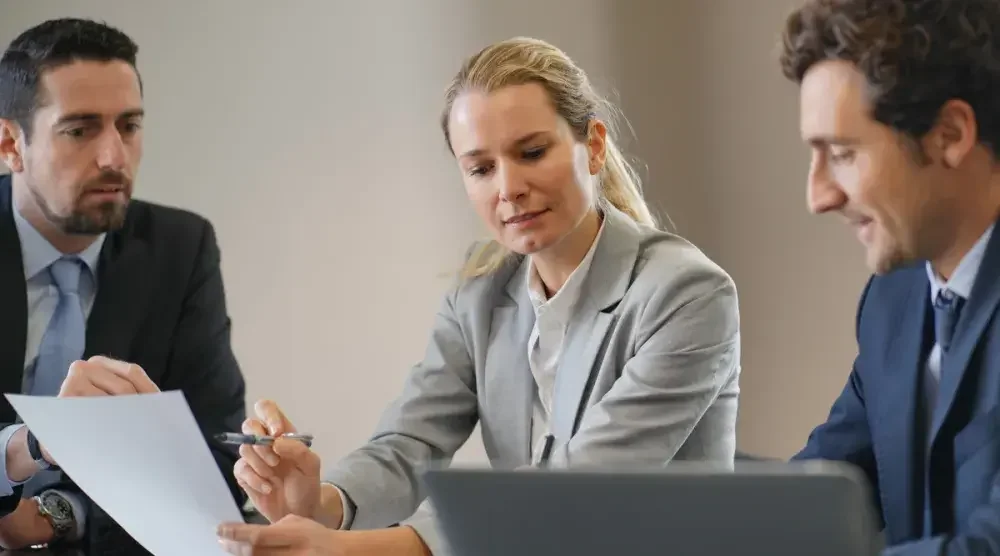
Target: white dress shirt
column 42, row 295
column 545, row 344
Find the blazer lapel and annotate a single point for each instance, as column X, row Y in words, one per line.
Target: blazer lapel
column 903, row 366
column 976, row 315
column 608, row 280
column 14, row 304
column 123, row 293
column 509, row 382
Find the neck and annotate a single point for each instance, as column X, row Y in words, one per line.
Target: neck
column 26, row 205
column 555, row 264
column 968, row 226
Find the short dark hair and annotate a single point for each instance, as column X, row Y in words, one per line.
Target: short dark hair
column 47, row 46
column 915, row 54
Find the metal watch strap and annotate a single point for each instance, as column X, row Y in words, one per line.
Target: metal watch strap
column 35, row 451
column 58, row 511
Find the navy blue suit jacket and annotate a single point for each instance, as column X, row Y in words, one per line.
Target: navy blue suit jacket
column 877, row 422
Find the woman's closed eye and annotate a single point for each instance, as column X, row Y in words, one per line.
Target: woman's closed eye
column 534, row 153
column 480, row 170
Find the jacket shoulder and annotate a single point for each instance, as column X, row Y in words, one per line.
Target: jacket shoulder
column 670, row 264
column 886, row 298
column 157, row 223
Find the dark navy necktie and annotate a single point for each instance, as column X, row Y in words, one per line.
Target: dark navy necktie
column 947, row 308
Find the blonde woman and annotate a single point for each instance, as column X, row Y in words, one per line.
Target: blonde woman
column 580, row 320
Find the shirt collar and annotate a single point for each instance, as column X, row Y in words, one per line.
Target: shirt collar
column 564, row 299
column 38, row 254
column 964, row 277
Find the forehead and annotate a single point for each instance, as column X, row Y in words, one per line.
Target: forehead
column 104, row 88
column 486, row 120
column 833, row 101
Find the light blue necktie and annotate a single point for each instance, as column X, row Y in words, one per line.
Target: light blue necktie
column 65, row 337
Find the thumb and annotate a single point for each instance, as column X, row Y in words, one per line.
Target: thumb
column 274, row 419
column 301, row 457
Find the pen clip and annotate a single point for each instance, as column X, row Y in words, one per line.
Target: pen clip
column 542, row 458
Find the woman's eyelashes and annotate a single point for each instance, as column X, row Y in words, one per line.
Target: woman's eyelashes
column 528, row 155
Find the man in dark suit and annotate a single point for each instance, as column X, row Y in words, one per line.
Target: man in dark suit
column 900, row 102
column 89, row 277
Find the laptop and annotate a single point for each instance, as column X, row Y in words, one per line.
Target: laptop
column 773, row 508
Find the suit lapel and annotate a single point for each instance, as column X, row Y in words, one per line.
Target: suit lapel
column 903, row 366
column 606, row 283
column 14, row 304
column 124, row 284
column 976, row 315
column 512, row 382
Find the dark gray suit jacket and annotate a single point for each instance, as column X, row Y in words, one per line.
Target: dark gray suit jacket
column 160, row 304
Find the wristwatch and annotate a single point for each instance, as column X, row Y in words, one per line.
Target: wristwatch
column 58, row 511
column 35, row 451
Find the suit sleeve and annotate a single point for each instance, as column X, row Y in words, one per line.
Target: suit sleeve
column 845, row 435
column 435, row 414
column 201, row 362
column 982, row 537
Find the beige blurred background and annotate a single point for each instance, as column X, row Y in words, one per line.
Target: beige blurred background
column 307, row 132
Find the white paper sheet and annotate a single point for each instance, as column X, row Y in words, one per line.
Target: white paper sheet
column 143, row 460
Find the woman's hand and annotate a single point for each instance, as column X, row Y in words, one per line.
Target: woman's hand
column 298, row 535
column 291, row 535
column 280, row 479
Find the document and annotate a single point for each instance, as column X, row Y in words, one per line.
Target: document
column 143, row 460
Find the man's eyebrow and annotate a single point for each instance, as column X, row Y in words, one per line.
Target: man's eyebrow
column 84, row 117
column 131, row 114
column 820, row 141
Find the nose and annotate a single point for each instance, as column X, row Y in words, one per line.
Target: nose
column 511, row 183
column 111, row 153
column 823, row 194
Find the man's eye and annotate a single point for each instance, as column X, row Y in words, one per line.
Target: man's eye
column 842, row 156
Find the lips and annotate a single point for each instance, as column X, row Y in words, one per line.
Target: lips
column 523, row 217
column 107, row 189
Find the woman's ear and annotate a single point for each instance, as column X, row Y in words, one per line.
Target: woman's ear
column 597, row 145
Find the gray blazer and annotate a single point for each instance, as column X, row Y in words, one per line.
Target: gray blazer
column 650, row 374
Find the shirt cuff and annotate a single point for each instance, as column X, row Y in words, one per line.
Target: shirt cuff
column 79, row 513
column 348, row 506
column 6, row 485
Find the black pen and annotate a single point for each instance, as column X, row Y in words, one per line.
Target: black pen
column 543, row 459
column 253, row 439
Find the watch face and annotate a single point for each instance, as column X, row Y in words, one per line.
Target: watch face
column 57, row 506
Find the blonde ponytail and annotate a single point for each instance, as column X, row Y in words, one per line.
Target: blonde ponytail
column 620, row 187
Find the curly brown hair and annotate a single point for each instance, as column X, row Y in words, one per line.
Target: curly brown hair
column 915, row 54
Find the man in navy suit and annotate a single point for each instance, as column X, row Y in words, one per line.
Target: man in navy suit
column 900, row 102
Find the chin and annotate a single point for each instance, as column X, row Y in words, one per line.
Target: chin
column 884, row 262
column 528, row 244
